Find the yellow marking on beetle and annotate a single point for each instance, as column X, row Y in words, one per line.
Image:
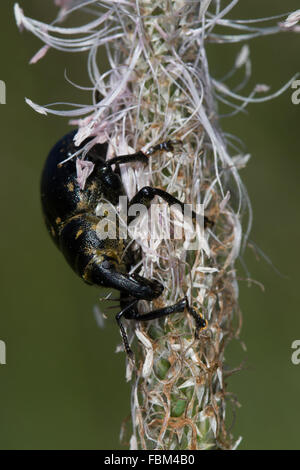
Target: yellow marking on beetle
column 110, row 253
column 52, row 231
column 58, row 220
column 95, row 259
column 81, row 205
column 80, row 232
column 92, row 186
column 70, row 186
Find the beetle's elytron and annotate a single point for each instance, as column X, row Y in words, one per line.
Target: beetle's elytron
column 70, row 216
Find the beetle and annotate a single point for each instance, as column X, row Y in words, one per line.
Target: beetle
column 70, row 217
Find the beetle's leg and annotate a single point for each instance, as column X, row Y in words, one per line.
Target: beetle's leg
column 122, row 329
column 147, row 194
column 130, row 313
column 134, row 157
column 143, row 156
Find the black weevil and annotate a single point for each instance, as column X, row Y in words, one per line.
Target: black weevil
column 70, row 216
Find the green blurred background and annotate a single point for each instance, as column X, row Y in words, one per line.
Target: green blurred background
column 63, row 386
